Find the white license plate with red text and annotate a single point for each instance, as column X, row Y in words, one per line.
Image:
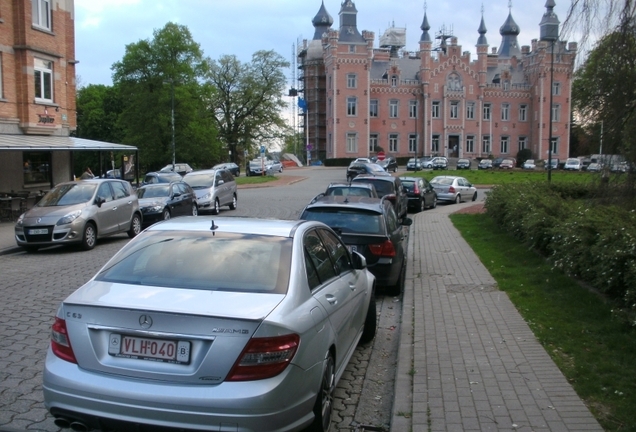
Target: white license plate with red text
column 160, row 350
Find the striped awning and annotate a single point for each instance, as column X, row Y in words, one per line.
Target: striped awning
column 55, row 143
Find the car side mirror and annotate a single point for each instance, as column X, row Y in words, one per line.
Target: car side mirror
column 359, row 261
column 176, row 194
column 99, row 201
column 406, row 221
column 220, row 182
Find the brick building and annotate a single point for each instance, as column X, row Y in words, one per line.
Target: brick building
column 37, row 95
column 436, row 101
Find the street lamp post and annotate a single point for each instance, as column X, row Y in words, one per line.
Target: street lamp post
column 172, row 120
column 551, row 114
column 415, row 112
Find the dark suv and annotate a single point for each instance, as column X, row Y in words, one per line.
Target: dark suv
column 370, row 227
column 389, row 187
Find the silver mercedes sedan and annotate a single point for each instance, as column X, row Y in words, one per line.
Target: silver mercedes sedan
column 211, row 323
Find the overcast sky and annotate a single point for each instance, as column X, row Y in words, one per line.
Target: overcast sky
column 103, row 28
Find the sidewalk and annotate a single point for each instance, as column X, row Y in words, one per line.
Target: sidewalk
column 467, row 360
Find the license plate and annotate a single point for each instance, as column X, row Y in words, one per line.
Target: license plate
column 38, row 231
column 160, row 350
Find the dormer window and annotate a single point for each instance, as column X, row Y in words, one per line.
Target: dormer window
column 394, row 80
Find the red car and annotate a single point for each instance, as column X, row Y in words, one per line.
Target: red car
column 507, row 164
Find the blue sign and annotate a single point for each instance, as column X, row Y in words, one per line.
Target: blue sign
column 262, row 149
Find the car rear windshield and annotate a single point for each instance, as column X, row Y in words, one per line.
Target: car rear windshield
column 383, row 187
column 442, row 180
column 347, row 220
column 349, row 191
column 68, row 194
column 212, row 262
column 408, row 185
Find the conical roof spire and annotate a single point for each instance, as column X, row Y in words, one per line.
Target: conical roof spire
column 509, row 31
column 425, row 28
column 482, row 30
column 549, row 24
column 322, row 21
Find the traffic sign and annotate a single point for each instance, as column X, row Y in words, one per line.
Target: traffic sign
column 381, row 155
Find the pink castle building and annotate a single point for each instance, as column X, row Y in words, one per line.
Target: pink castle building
column 436, row 101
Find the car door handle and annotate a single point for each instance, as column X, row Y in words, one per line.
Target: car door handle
column 114, row 208
column 331, row 299
column 352, row 286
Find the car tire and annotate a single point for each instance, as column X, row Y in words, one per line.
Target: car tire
column 234, row 202
column 475, row 197
column 323, row 408
column 434, row 202
column 398, row 288
column 135, row 226
column 166, row 214
column 217, row 207
column 458, row 199
column 421, row 205
column 195, row 210
column 89, row 236
column 370, row 323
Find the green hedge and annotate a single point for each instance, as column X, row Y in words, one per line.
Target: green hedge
column 345, row 161
column 580, row 234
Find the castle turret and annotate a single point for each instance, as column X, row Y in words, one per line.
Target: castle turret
column 509, row 31
column 348, row 24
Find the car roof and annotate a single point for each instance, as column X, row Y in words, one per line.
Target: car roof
column 239, row 225
column 211, row 171
column 357, row 185
column 410, row 178
column 348, row 202
column 362, row 177
column 448, row 177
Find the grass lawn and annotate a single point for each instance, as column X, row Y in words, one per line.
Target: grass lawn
column 497, row 177
column 255, row 179
column 594, row 351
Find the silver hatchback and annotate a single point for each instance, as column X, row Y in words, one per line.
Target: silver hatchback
column 211, row 323
column 80, row 212
column 214, row 188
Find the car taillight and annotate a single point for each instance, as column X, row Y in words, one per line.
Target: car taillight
column 385, row 249
column 451, row 189
column 60, row 344
column 416, row 189
column 264, row 358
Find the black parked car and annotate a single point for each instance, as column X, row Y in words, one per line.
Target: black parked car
column 163, row 201
column 389, row 164
column 370, row 227
column 388, row 187
column 463, row 164
column 420, row 193
column 230, row 166
column 357, row 168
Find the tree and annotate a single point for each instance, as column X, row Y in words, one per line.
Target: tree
column 161, row 78
column 248, row 102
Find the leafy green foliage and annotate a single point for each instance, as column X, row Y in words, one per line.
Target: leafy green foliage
column 157, row 79
column 581, row 235
column 247, row 104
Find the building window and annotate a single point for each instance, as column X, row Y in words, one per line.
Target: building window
column 454, row 110
column 352, row 142
column 436, row 87
column 352, row 81
column 470, row 89
column 470, row 111
column 523, row 113
column 485, row 144
column 556, row 113
column 393, row 108
column 394, row 80
column 555, row 145
column 412, row 143
column 505, row 112
column 373, row 142
column 470, row 144
column 505, row 144
column 487, row 111
column 352, row 106
column 523, row 142
column 435, row 109
column 352, row 48
column 41, row 13
column 556, row 88
column 373, row 108
column 393, row 143
column 435, row 144
column 36, row 167
column 413, row 109
column 43, row 73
